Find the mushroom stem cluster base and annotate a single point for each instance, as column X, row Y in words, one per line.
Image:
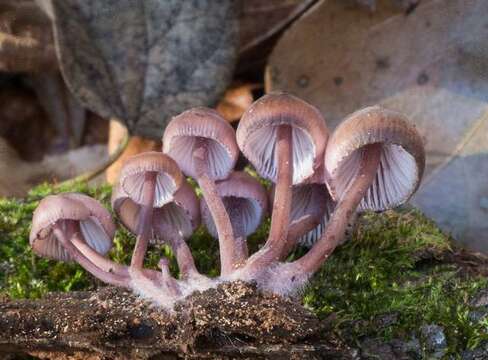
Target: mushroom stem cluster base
column 374, row 160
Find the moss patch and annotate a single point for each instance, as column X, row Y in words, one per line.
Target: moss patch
column 386, row 282
column 392, row 278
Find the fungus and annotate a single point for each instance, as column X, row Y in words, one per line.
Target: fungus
column 204, row 146
column 150, row 179
column 172, row 223
column 75, row 227
column 284, row 139
column 246, row 202
column 373, row 160
column 313, row 201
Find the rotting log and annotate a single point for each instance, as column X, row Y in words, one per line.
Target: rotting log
column 232, row 321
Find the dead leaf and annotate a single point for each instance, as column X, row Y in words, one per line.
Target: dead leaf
column 145, row 61
column 261, row 23
column 429, row 63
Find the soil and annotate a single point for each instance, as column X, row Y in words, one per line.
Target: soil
column 235, row 320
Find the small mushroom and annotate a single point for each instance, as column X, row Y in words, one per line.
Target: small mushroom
column 150, row 179
column 309, row 201
column 375, row 160
column 75, row 227
column 173, row 222
column 203, row 144
column 284, row 138
column 401, row 164
column 246, row 202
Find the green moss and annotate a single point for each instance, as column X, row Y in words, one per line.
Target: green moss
column 387, row 268
column 383, row 271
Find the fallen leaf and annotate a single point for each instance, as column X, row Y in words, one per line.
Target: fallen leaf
column 429, row 63
column 143, row 62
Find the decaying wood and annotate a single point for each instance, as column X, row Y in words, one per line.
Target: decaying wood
column 234, row 320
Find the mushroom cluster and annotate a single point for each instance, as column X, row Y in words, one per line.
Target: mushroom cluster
column 374, row 160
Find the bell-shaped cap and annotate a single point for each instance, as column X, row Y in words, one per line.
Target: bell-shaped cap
column 311, row 200
column 258, row 128
column 402, row 157
column 201, row 127
column 245, row 200
column 183, row 214
column 94, row 220
column 168, row 177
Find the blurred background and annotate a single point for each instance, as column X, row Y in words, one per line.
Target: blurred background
column 80, row 90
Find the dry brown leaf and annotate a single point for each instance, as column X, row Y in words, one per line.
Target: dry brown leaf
column 429, row 63
column 261, row 22
column 143, row 62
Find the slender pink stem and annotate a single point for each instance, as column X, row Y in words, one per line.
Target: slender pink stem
column 336, row 229
column 144, row 224
column 107, row 277
column 169, row 282
column 298, row 230
column 242, row 252
column 283, row 194
column 217, row 209
column 277, row 240
column 97, row 259
column 240, row 247
column 185, row 260
column 102, row 262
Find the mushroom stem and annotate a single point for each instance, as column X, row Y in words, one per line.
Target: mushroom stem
column 144, row 221
column 102, row 262
column 86, row 263
column 296, row 231
column 280, row 219
column 217, row 209
column 169, row 282
column 97, row 259
column 336, row 229
column 241, row 250
column 185, row 260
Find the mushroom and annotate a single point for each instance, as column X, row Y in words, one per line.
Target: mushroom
column 375, row 160
column 150, row 180
column 173, row 223
column 284, row 138
column 246, row 202
column 310, row 213
column 76, row 227
column 203, row 144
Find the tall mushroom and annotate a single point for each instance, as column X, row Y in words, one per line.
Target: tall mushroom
column 75, row 227
column 203, row 144
column 284, row 138
column 150, row 179
column 172, row 223
column 375, row 160
column 246, row 202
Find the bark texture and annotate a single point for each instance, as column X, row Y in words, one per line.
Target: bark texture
column 232, row 321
